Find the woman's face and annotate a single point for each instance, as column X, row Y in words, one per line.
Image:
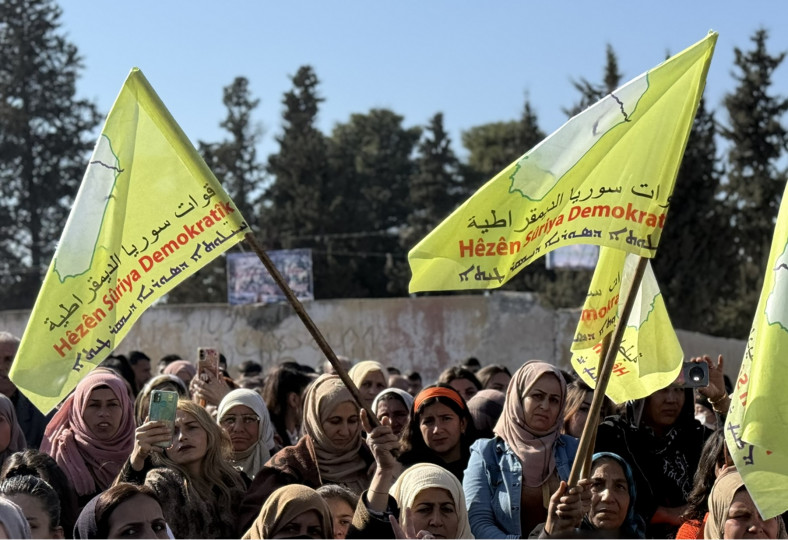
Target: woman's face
column 744, row 520
column 242, row 425
column 306, row 525
column 36, row 515
column 578, row 420
column 190, row 442
column 5, row 433
column 342, row 425
column 102, row 413
column 499, row 381
column 663, row 407
column 464, row 387
column 609, row 495
column 341, row 515
column 372, row 385
column 434, row 510
column 542, row 403
column 396, row 411
column 139, row 516
column 441, row 429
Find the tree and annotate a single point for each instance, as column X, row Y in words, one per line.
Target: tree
column 752, row 194
column 45, row 139
column 590, row 92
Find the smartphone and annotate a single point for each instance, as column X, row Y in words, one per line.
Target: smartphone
column 208, row 361
column 162, row 408
column 695, row 374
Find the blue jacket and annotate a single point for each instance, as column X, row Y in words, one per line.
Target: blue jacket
column 493, row 484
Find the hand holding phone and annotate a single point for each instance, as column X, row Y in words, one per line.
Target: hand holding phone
column 163, row 404
column 207, row 362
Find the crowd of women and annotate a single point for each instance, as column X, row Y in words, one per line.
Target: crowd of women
column 290, row 454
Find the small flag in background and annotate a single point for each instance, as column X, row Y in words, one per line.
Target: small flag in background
column 148, row 214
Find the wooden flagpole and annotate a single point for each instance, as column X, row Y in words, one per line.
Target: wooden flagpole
column 310, row 326
column 586, row 448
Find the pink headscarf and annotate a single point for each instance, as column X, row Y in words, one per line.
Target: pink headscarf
column 69, row 440
column 17, row 441
column 534, row 448
column 174, row 367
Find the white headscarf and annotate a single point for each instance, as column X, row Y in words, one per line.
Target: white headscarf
column 402, row 394
column 251, row 460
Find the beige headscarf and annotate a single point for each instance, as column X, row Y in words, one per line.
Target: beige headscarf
column 534, row 448
column 284, row 505
column 337, row 465
column 720, row 500
column 251, row 460
column 360, row 371
column 424, row 476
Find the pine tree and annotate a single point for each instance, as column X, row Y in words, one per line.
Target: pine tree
column 590, row 92
column 45, row 141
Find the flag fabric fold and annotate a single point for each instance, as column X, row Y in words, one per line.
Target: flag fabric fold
column 148, row 214
column 605, row 177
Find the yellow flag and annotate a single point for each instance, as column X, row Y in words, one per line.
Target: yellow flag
column 148, row 214
column 605, row 177
column 756, row 429
column 650, row 355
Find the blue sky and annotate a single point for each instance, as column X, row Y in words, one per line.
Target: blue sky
column 474, row 61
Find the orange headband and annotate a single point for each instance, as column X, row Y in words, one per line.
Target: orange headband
column 437, row 391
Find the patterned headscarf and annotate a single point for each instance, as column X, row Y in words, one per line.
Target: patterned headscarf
column 284, row 505
column 633, row 526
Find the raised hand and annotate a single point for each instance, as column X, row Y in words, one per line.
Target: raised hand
column 146, row 438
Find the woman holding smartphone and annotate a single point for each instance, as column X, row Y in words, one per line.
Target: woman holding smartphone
column 199, row 490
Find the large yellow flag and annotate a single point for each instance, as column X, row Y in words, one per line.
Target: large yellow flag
column 756, row 429
column 605, row 177
column 148, row 214
column 650, row 356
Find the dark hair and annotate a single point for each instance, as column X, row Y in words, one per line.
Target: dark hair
column 712, row 455
column 120, row 365
column 391, row 370
column 472, row 362
column 249, row 367
column 36, row 463
column 113, row 497
column 335, row 491
column 170, row 358
column 413, row 376
column 278, row 384
column 488, row 372
column 136, row 356
column 37, row 488
column 458, row 372
column 412, row 444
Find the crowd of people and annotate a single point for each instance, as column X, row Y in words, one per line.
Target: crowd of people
column 289, row 453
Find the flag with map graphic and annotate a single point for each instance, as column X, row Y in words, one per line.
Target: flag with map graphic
column 650, row 355
column 756, row 428
column 148, row 214
column 605, row 177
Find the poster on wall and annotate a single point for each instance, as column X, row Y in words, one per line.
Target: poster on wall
column 248, row 282
column 573, row 257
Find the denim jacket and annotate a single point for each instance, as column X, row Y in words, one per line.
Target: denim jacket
column 492, row 485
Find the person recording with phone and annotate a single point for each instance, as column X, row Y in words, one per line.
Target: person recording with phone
column 662, row 441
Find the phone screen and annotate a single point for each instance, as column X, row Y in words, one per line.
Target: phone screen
column 163, row 404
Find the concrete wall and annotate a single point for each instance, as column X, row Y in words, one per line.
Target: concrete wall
column 427, row 333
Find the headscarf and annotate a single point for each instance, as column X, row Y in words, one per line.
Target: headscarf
column 360, row 371
column 83, row 457
column 337, row 465
column 402, row 394
column 633, row 526
column 173, row 368
column 486, row 407
column 17, row 441
column 13, row 519
column 284, row 505
column 86, row 526
column 423, row 476
column 535, row 449
column 251, row 460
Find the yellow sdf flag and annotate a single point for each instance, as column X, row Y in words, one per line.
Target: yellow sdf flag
column 756, row 429
column 650, row 355
column 605, row 177
column 148, row 214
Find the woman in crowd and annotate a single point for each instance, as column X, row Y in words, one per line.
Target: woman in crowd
column 198, row 489
column 34, row 463
column 370, row 378
column 712, row 463
column 330, row 452
column 183, row 369
column 440, row 430
column 283, row 395
column 39, row 503
column 394, row 404
column 123, row 511
column 12, row 438
column 92, row 433
column 243, row 415
column 494, row 377
column 461, row 379
column 510, row 478
column 486, row 408
column 732, row 514
column 167, row 382
column 293, row 511
column 12, row 521
column 342, row 503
